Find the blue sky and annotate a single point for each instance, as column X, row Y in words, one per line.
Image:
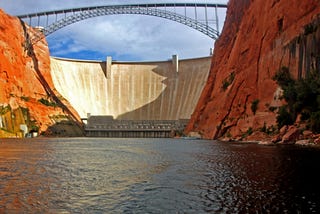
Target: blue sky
column 124, row 37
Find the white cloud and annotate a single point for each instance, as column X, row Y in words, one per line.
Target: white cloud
column 150, row 38
column 141, row 37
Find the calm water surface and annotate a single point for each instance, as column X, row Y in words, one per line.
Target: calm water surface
column 99, row 175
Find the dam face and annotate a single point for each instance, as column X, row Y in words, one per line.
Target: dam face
column 167, row 90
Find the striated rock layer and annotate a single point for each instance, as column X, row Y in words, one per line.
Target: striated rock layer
column 27, row 94
column 259, row 37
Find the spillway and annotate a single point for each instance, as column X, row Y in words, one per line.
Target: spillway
column 163, row 90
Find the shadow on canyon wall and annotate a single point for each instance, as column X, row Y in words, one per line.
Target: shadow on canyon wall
column 305, row 48
column 50, row 93
column 64, row 128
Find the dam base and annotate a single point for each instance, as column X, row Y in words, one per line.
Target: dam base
column 129, row 134
column 106, row 126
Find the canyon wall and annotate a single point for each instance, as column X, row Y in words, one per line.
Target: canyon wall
column 259, row 37
column 27, row 94
column 132, row 90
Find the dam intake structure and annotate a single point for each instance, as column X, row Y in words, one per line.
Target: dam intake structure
column 134, row 94
column 106, row 126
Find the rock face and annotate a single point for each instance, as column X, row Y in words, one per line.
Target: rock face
column 27, row 94
column 259, row 37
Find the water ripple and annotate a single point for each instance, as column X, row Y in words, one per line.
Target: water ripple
column 96, row 175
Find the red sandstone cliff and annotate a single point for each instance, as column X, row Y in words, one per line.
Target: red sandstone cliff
column 25, row 80
column 259, row 37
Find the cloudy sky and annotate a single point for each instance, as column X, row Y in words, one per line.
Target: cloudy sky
column 124, row 37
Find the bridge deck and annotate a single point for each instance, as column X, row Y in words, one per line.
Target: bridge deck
column 61, row 18
column 80, row 9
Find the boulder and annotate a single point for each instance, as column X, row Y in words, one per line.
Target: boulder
column 291, row 135
column 307, row 134
column 303, row 142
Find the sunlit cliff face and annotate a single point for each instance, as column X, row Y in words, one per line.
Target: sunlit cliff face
column 259, row 37
column 25, row 79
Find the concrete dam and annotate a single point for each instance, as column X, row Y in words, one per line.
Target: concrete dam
column 139, row 91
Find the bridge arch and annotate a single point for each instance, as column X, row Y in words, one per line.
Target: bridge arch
column 79, row 14
column 212, row 33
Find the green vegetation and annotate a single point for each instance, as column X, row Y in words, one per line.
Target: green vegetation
column 272, row 108
column 302, row 97
column 47, row 102
column 247, row 133
column 285, row 117
column 4, row 109
column 228, row 81
column 271, row 130
column 34, row 128
column 228, row 134
column 254, row 105
column 310, row 28
column 59, row 118
column 25, row 98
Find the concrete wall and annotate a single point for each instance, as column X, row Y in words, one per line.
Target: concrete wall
column 132, row 90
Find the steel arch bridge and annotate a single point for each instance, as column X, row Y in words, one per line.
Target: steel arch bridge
column 202, row 16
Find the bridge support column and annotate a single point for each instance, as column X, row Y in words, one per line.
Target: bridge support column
column 175, row 63
column 108, row 67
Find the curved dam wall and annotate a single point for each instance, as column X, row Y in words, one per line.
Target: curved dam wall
column 167, row 90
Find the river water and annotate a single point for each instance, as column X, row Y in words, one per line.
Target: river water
column 101, row 175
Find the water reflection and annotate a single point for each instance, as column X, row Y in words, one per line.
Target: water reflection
column 20, row 187
column 259, row 179
column 82, row 175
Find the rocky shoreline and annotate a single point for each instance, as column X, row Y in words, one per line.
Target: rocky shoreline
column 288, row 135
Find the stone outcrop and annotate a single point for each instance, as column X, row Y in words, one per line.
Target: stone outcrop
column 27, row 94
column 259, row 37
